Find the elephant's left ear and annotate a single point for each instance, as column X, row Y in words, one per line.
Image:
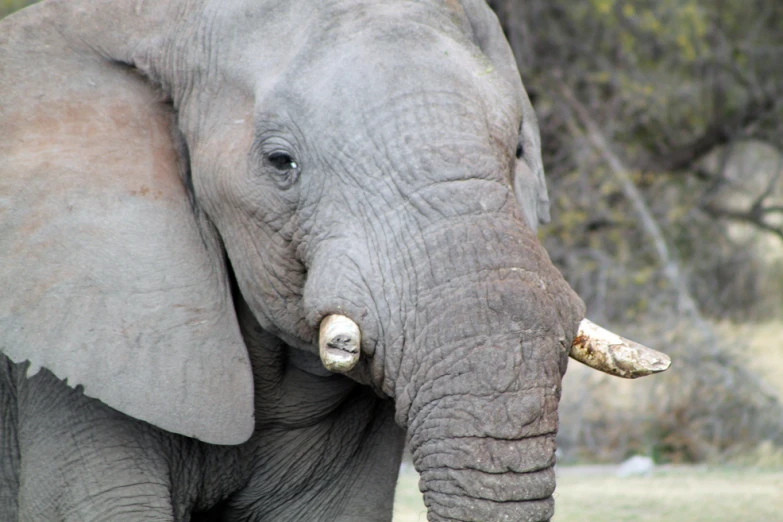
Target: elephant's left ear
column 109, row 277
column 529, row 183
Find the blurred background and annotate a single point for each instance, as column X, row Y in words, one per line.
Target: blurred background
column 662, row 132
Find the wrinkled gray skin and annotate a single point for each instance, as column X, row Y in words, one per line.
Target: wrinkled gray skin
column 160, row 250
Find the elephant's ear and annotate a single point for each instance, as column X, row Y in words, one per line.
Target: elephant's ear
column 109, row 277
column 529, row 183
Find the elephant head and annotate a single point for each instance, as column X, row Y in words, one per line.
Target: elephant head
column 375, row 164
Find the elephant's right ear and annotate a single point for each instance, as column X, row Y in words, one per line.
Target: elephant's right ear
column 529, row 183
column 109, row 277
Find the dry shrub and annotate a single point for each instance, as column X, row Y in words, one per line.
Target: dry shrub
column 708, row 406
column 766, row 455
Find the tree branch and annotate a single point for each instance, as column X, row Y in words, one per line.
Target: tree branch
column 753, row 216
column 667, row 258
column 718, row 133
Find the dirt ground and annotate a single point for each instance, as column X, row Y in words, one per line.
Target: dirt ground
column 669, row 494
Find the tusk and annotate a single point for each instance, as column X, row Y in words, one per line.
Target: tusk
column 338, row 343
column 606, row 351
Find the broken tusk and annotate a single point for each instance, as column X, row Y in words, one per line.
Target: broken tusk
column 339, row 343
column 606, row 351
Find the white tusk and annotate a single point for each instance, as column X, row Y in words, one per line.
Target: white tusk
column 339, row 343
column 608, row 352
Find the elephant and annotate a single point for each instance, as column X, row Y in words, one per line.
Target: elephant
column 250, row 248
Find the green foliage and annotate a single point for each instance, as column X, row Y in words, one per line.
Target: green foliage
column 9, row 6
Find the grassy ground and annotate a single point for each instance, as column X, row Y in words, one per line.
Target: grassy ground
column 672, row 494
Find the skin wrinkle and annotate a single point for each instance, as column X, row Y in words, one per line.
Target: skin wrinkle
column 373, row 128
column 446, row 453
column 505, row 511
column 400, row 297
column 353, row 25
column 497, row 473
column 516, row 486
column 487, row 462
column 435, row 429
column 398, row 185
column 270, row 282
column 419, row 99
column 413, row 200
column 381, row 332
column 9, row 440
column 452, row 223
column 521, row 334
column 461, row 495
column 431, row 426
column 425, row 243
column 455, row 354
column 445, row 367
column 494, row 510
column 85, row 451
column 381, row 272
column 407, row 164
column 306, row 492
column 420, row 414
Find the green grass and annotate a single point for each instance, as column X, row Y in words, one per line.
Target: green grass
column 672, row 494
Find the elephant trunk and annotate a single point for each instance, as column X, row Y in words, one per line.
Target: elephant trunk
column 488, row 479
column 482, row 435
column 481, row 400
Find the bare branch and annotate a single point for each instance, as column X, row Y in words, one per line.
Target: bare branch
column 667, row 258
column 718, row 133
column 753, row 216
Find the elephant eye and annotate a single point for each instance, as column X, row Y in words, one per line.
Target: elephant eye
column 520, row 148
column 282, row 161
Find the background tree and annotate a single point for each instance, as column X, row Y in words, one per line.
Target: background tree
column 677, row 88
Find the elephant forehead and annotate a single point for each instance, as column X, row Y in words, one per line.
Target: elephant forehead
column 352, row 17
column 394, row 61
column 408, row 103
column 338, row 71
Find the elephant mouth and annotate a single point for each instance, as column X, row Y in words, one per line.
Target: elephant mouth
column 603, row 350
